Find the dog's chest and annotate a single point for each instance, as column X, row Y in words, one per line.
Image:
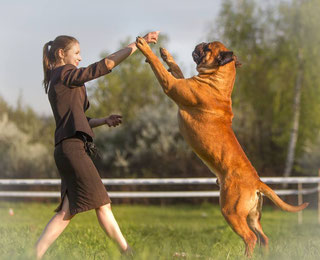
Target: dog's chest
column 191, row 124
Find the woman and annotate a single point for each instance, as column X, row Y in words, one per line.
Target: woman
column 81, row 185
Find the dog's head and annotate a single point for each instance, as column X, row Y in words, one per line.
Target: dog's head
column 210, row 56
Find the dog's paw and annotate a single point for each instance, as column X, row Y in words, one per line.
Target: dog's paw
column 165, row 55
column 141, row 43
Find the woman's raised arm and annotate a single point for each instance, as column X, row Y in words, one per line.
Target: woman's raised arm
column 114, row 59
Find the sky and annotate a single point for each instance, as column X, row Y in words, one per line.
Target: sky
column 99, row 26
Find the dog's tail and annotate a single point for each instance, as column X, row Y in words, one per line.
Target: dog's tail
column 267, row 191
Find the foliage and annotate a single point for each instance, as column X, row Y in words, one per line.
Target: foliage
column 309, row 161
column 300, row 34
column 198, row 231
column 24, row 142
column 19, row 157
column 150, row 146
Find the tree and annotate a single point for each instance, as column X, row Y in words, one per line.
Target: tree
column 300, row 36
column 19, row 156
column 26, row 142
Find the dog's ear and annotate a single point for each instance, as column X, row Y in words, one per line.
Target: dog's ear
column 224, row 57
column 238, row 63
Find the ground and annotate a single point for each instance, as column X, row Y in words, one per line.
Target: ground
column 156, row 232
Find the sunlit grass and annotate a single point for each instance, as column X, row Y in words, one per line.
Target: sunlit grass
column 155, row 232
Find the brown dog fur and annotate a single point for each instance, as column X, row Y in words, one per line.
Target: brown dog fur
column 205, row 118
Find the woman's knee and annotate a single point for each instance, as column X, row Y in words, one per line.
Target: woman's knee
column 65, row 211
column 65, row 214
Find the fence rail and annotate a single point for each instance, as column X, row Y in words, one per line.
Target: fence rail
column 143, row 194
column 164, row 181
column 153, row 181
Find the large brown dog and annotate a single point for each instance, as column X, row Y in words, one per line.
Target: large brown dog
column 205, row 118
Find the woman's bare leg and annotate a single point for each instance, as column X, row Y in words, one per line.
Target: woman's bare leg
column 53, row 229
column 109, row 224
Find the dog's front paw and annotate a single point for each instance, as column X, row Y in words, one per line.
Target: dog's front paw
column 166, row 56
column 141, row 44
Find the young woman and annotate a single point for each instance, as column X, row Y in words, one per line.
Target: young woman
column 81, row 185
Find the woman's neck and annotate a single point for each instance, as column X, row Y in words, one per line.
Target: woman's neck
column 59, row 64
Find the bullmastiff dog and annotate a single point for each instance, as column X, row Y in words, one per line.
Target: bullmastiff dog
column 205, row 119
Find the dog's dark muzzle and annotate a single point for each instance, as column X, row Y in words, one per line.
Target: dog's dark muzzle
column 199, row 53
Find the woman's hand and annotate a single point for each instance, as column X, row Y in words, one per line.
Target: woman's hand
column 152, row 37
column 113, row 120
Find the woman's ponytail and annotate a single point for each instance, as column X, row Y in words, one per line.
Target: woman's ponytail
column 51, row 57
column 47, row 66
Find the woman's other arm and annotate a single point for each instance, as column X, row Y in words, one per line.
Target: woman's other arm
column 113, row 120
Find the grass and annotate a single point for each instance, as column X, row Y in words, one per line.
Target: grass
column 156, row 232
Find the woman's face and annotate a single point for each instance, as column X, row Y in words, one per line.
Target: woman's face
column 72, row 56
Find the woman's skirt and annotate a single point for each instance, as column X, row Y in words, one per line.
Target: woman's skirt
column 80, row 179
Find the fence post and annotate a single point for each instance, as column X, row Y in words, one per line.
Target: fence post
column 319, row 198
column 300, row 202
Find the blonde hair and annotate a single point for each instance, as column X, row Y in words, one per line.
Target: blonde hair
column 51, row 56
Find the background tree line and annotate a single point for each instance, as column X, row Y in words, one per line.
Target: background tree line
column 276, row 102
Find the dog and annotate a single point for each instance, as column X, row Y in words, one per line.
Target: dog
column 205, row 121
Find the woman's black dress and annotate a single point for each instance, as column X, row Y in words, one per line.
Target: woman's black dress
column 80, row 180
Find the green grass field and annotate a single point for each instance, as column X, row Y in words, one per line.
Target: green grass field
column 156, row 232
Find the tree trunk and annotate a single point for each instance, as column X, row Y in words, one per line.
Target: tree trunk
column 296, row 117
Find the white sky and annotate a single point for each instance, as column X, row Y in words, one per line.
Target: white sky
column 99, row 25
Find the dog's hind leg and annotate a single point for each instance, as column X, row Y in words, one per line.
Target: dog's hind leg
column 240, row 226
column 236, row 204
column 253, row 220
